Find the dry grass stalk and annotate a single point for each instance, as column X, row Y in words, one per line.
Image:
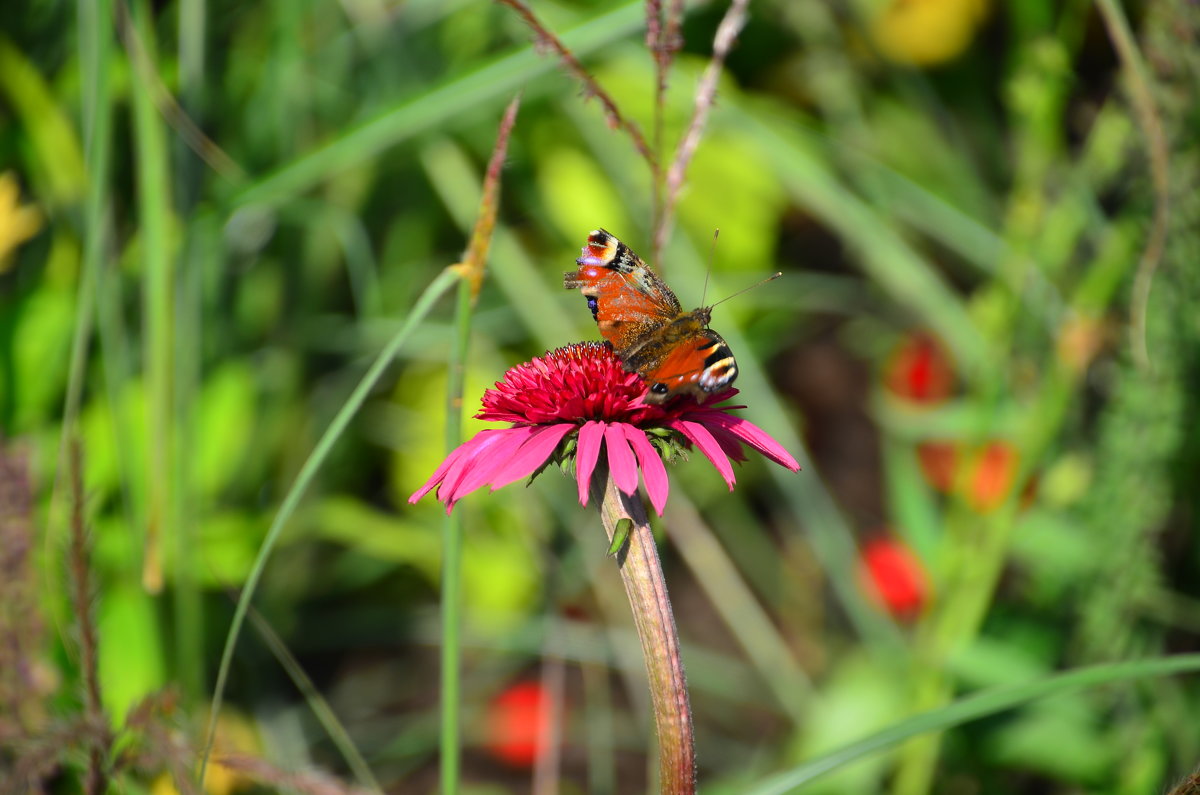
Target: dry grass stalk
column 664, row 40
column 79, row 575
column 474, row 262
column 706, row 93
column 20, row 627
column 615, row 120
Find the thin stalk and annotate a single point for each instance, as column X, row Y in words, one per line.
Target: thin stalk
column 201, row 247
column 706, row 95
column 300, row 486
column 451, row 697
column 599, row 729
column 158, row 299
column 192, row 30
column 95, row 781
column 571, row 62
column 94, row 58
column 664, row 39
column 745, row 618
column 642, row 576
column 654, row 43
column 1146, row 112
column 472, row 270
column 316, row 702
column 547, row 770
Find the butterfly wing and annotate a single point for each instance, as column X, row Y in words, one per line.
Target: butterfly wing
column 629, row 302
column 675, row 352
column 686, row 359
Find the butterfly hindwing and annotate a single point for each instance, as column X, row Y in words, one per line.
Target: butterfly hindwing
column 698, row 365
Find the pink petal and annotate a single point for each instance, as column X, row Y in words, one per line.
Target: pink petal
column 730, row 443
column 756, row 437
column 654, row 474
column 621, row 463
column 587, row 452
column 699, row 436
column 440, row 473
column 490, row 461
column 533, row 453
column 478, row 454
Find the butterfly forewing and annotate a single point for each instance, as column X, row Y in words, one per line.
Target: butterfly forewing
column 627, row 299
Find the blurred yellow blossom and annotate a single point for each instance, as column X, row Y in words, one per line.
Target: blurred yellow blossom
column 17, row 223
column 926, row 32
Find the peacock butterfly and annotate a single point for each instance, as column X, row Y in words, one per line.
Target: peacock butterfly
column 674, row 351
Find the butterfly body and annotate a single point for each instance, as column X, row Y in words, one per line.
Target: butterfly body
column 674, row 351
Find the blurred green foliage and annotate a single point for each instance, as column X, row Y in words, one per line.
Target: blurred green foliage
column 239, row 204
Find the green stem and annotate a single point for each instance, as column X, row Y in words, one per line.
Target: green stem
column 451, row 741
column 201, row 247
column 95, row 55
column 642, row 575
column 451, row 695
column 158, row 295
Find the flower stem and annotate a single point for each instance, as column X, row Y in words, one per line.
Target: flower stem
column 646, row 588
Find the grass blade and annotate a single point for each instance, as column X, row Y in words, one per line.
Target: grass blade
column 316, row 702
column 977, row 706
column 158, row 295
column 300, row 486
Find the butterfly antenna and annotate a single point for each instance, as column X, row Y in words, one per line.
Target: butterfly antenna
column 770, row 278
column 712, row 255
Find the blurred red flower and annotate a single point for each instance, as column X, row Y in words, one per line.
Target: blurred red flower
column 939, row 462
column 517, row 719
column 920, row 370
column 893, row 577
column 990, row 471
column 993, row 470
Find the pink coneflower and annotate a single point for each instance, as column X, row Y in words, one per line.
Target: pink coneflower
column 574, row 401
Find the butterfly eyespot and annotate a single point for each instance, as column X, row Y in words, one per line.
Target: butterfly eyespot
column 660, row 389
column 593, row 305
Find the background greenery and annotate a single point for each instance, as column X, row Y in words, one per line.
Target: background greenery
column 214, row 215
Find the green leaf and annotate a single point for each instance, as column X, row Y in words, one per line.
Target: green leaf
column 620, row 536
column 226, row 422
column 129, row 660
